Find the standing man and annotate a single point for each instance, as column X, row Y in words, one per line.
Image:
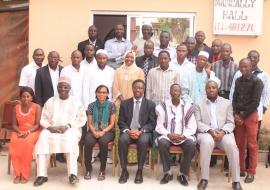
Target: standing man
column 147, row 34
column 137, row 120
column 214, row 116
column 246, row 99
column 176, row 126
column 47, row 78
column 215, row 50
column 61, row 119
column 225, row 70
column 93, row 40
column 254, row 57
column 191, row 43
column 160, row 79
column 75, row 72
column 165, row 38
column 148, row 60
column 28, row 72
column 89, row 59
column 116, row 47
column 97, row 75
column 200, row 45
column 193, row 85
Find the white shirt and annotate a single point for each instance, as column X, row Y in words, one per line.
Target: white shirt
column 213, row 107
column 95, row 77
column 139, row 42
column 76, row 80
column 86, row 63
column 188, row 131
column 28, row 75
column 171, row 50
column 54, row 77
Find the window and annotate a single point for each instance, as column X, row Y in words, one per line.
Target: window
column 180, row 25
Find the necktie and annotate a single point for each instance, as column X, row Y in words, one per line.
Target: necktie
column 145, row 67
column 135, row 118
column 173, row 123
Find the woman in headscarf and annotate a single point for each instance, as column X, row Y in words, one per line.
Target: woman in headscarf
column 124, row 77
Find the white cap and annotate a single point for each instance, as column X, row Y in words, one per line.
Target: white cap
column 204, row 53
column 102, row 51
column 64, row 80
column 215, row 80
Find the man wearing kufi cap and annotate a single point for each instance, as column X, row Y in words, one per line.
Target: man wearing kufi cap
column 193, row 85
column 214, row 116
column 61, row 121
column 99, row 74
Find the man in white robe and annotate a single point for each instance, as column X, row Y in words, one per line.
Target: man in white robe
column 97, row 75
column 61, row 119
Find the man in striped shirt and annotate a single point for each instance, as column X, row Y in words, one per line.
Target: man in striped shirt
column 225, row 70
column 160, row 79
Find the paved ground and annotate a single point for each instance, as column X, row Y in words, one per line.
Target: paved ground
column 58, row 179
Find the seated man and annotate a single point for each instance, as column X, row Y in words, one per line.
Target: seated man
column 176, row 125
column 215, row 121
column 61, row 119
column 137, row 120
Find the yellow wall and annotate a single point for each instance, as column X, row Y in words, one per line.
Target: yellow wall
column 60, row 24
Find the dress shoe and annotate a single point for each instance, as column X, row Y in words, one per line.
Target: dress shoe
column 182, row 179
column 17, row 179
column 249, row 178
column 40, row 180
column 101, row 176
column 202, row 185
column 60, row 157
column 124, row 177
column 87, row 175
column 139, row 177
column 73, row 179
column 242, row 174
column 166, row 178
column 236, row 186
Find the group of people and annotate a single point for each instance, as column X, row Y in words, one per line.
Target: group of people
column 188, row 95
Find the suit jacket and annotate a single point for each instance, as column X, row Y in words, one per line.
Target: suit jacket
column 147, row 115
column 153, row 62
column 81, row 45
column 224, row 114
column 43, row 85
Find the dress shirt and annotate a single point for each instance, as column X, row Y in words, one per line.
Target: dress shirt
column 139, row 42
column 225, row 74
column 117, row 48
column 84, row 62
column 171, row 50
column 28, row 75
column 76, row 80
column 213, row 110
column 54, row 77
column 247, row 95
column 159, row 82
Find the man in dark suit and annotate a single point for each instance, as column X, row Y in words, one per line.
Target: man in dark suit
column 93, row 39
column 47, row 78
column 148, row 60
column 137, row 120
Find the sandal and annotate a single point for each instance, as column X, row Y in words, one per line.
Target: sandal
column 17, row 179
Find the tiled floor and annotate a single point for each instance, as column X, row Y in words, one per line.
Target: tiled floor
column 58, row 179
